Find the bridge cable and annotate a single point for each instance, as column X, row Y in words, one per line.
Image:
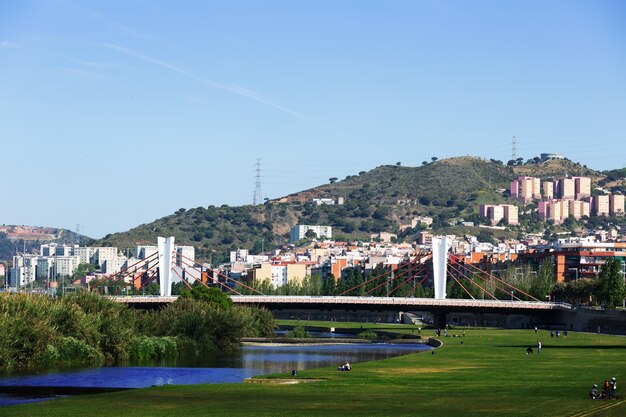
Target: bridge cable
column 407, row 280
column 461, row 285
column 503, row 282
column 189, row 265
column 474, row 282
column 125, row 270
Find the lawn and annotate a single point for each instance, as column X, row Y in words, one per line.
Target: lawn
column 485, row 373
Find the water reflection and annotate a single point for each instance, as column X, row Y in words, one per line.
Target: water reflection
column 231, row 368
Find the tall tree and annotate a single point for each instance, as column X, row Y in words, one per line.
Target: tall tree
column 610, row 290
column 543, row 282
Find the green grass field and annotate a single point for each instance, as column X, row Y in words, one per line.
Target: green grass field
column 489, row 374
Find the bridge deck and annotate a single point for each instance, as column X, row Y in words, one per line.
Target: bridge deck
column 304, row 301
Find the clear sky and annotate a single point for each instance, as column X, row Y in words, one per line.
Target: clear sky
column 115, row 113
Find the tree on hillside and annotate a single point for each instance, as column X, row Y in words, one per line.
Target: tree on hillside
column 610, row 290
column 333, row 180
column 310, row 234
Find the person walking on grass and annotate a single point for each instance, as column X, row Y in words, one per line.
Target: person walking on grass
column 538, row 347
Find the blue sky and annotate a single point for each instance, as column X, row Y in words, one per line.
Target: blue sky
column 116, row 113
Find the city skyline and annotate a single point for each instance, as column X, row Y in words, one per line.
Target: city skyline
column 113, row 115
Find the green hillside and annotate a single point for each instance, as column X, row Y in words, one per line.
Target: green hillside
column 378, row 200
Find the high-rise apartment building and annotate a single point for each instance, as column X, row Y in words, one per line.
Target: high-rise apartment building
column 582, row 187
column 578, row 209
column 601, row 206
column 565, row 189
column 298, row 232
column 548, row 190
column 616, row 205
column 511, row 214
column 525, row 189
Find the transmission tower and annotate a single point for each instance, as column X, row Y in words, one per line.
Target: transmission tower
column 77, row 235
column 258, row 195
column 514, row 148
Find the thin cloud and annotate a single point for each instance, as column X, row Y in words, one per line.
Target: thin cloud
column 99, row 65
column 234, row 88
column 81, row 73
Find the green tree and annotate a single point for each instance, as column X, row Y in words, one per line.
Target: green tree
column 211, row 296
column 610, row 289
column 543, row 282
column 328, row 285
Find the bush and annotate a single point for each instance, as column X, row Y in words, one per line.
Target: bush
column 298, row 332
column 152, row 347
column 368, row 334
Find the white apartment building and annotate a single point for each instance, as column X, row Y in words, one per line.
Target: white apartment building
column 145, row 251
column 298, row 232
column 185, row 256
column 65, row 265
column 106, row 257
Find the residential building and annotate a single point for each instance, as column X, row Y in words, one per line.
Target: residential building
column 616, row 205
column 145, row 251
column 299, row 231
column 574, row 260
column 185, row 256
column 548, row 190
column 106, row 257
column 278, row 273
column 551, row 211
column 582, row 187
column 385, row 237
column 525, row 189
column 601, row 205
column 497, row 212
column 579, row 209
column 511, row 214
column 565, row 189
column 45, row 268
column 65, row 265
column 425, row 238
column 320, row 201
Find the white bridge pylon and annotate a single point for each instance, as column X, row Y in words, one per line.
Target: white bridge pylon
column 440, row 262
column 165, row 247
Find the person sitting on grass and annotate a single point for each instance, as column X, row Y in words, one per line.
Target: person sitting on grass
column 613, row 388
column 593, row 394
column 606, row 389
column 345, row 367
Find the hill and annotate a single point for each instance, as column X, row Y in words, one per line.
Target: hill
column 17, row 238
column 381, row 199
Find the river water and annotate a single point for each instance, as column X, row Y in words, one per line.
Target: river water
column 224, row 368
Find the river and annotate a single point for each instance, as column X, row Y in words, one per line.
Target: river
column 249, row 361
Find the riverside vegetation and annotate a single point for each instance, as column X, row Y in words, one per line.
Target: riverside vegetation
column 87, row 329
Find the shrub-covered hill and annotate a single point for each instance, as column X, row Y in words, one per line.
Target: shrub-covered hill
column 379, row 200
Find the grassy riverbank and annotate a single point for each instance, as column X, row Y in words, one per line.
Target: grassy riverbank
column 485, row 373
